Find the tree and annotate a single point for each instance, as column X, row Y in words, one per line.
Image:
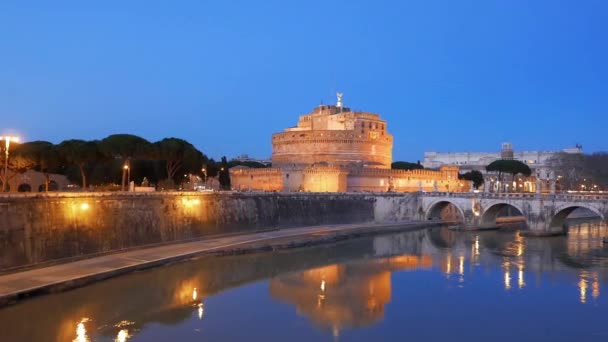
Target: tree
column 42, row 155
column 576, row 169
column 473, row 176
column 251, row 164
column 596, row 169
column 224, row 176
column 179, row 156
column 402, row 165
column 513, row 167
column 126, row 147
column 569, row 169
column 80, row 153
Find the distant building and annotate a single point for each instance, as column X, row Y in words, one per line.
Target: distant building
column 246, row 158
column 336, row 149
column 33, row 181
column 479, row 160
column 543, row 174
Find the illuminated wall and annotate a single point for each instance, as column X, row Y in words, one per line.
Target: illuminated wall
column 382, row 180
column 62, row 225
column 264, row 179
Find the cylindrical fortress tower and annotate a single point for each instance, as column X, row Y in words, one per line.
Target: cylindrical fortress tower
column 335, row 135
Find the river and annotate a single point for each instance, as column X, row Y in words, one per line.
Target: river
column 425, row 285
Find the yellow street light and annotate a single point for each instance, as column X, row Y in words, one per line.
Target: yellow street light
column 7, row 143
column 126, row 171
column 205, row 175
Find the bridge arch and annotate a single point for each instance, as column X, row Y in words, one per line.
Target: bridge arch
column 490, row 214
column 444, row 210
column 53, row 186
column 559, row 219
column 24, row 187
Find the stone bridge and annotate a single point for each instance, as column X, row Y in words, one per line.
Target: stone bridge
column 544, row 213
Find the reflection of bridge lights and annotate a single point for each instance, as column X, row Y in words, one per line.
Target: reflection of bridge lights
column 323, row 285
column 201, row 310
column 194, row 294
column 81, row 331
column 476, row 245
column 595, row 288
column 520, row 244
column 582, row 285
column 507, row 280
column 520, row 276
column 122, row 336
column 507, row 276
column 520, row 250
column 461, row 265
column 448, row 265
column 335, row 331
column 320, row 299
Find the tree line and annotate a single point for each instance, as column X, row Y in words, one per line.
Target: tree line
column 578, row 171
column 102, row 162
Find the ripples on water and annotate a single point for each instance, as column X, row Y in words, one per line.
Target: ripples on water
column 424, row 285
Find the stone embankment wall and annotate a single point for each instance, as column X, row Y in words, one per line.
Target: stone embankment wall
column 42, row 228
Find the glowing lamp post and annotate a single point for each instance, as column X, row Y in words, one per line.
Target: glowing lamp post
column 7, row 143
column 126, row 171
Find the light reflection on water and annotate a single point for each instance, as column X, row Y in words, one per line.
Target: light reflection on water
column 358, row 289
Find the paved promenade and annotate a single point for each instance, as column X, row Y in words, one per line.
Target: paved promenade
column 20, row 285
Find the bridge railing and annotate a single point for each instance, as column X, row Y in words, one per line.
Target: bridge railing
column 518, row 195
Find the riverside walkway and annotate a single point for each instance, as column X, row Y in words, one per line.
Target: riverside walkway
column 56, row 278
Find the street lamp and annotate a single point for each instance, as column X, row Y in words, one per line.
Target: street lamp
column 126, row 171
column 205, row 175
column 7, row 143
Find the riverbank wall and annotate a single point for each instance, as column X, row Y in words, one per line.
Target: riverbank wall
column 38, row 229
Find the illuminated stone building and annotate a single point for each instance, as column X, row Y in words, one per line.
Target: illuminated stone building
column 33, row 181
column 336, row 149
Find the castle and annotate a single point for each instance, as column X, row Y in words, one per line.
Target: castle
column 336, row 149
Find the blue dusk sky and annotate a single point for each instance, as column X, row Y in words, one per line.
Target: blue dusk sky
column 224, row 75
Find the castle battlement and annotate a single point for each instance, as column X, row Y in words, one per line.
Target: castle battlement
column 254, row 171
column 329, row 136
column 414, row 174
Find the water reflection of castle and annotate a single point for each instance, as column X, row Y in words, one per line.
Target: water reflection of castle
column 344, row 295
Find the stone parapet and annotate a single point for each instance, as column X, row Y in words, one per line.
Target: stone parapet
column 418, row 174
column 265, row 179
column 61, row 226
